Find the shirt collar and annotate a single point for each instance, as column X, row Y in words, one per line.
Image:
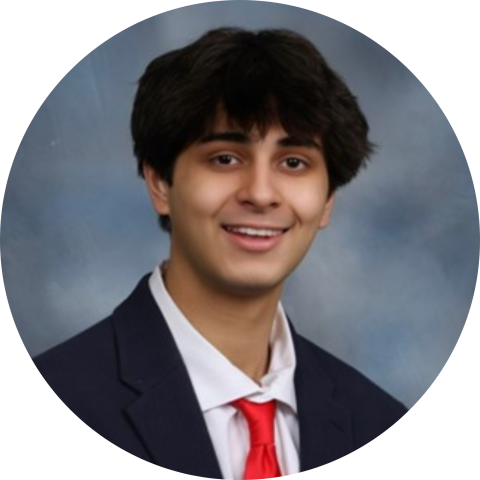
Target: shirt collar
column 215, row 379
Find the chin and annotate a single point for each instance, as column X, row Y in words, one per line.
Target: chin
column 253, row 284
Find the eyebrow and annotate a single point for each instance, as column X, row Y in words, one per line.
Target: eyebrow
column 244, row 139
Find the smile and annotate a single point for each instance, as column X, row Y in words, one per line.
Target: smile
column 254, row 239
column 254, row 231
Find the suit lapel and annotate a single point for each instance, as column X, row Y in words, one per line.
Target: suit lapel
column 166, row 414
column 170, row 423
column 325, row 425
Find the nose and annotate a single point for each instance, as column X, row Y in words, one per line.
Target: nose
column 259, row 189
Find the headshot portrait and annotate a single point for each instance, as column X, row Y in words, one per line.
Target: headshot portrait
column 239, row 240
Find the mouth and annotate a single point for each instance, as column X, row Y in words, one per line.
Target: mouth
column 254, row 239
column 255, row 232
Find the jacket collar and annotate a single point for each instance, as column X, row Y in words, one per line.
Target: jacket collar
column 167, row 415
column 325, row 425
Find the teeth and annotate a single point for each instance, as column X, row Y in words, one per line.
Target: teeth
column 255, row 232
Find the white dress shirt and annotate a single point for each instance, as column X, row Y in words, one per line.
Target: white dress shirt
column 217, row 382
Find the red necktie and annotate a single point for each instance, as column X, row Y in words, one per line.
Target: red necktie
column 262, row 459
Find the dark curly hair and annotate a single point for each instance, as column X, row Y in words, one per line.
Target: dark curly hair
column 258, row 79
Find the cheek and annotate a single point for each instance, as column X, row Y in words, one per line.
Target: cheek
column 309, row 206
column 200, row 198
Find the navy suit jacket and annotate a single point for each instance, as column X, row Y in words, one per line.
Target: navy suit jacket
column 125, row 378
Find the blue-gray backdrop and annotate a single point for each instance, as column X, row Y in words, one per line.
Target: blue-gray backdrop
column 387, row 287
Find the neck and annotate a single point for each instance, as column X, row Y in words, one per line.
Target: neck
column 239, row 326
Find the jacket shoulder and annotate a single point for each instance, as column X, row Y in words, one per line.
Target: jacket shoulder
column 78, row 352
column 83, row 372
column 91, row 356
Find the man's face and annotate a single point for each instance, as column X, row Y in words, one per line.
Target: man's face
column 244, row 209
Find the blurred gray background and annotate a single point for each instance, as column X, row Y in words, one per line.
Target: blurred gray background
column 387, row 287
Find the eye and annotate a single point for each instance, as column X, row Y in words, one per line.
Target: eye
column 294, row 163
column 225, row 160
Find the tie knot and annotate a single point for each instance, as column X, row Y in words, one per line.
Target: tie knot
column 260, row 418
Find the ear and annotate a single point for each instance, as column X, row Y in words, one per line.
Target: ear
column 158, row 190
column 325, row 219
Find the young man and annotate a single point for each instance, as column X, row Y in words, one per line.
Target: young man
column 243, row 139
